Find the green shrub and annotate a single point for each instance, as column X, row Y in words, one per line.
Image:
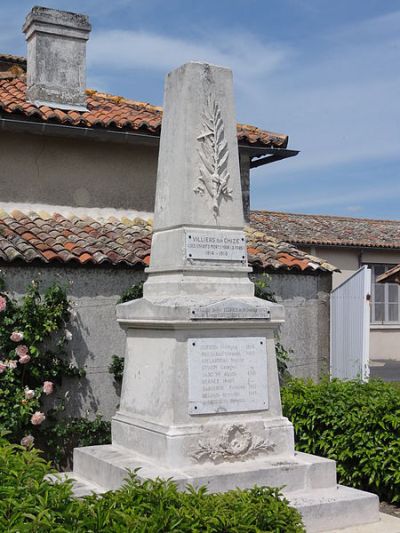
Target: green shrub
column 28, row 503
column 262, row 288
column 33, row 361
column 356, row 424
column 157, row 506
column 61, row 437
column 117, row 368
column 133, row 293
column 283, row 355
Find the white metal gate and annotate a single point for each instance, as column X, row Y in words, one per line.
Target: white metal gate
column 350, row 318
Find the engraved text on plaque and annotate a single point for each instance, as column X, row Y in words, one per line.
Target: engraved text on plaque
column 227, row 375
column 220, row 245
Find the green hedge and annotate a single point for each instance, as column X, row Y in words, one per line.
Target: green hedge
column 357, row 424
column 30, row 504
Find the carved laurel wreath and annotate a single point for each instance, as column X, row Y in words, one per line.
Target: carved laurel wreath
column 213, row 153
column 235, row 442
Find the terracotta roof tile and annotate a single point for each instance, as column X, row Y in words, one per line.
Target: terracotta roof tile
column 121, row 242
column 115, row 112
column 328, row 230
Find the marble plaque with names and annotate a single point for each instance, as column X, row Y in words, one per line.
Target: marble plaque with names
column 227, row 375
column 219, row 245
column 229, row 309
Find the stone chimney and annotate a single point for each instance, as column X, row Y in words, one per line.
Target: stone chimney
column 56, row 60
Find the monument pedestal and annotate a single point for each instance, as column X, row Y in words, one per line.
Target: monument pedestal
column 200, row 404
column 200, row 398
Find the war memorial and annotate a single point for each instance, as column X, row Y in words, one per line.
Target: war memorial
column 200, row 397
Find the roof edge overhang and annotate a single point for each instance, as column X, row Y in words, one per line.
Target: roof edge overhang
column 19, row 124
column 340, row 245
column 263, row 155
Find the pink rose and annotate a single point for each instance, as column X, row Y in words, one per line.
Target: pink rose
column 37, row 418
column 21, row 350
column 3, row 303
column 27, row 441
column 11, row 364
column 16, row 336
column 29, row 393
column 3, row 367
column 24, row 359
column 48, row 387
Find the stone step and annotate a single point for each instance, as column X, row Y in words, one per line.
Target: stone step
column 338, row 510
column 335, row 508
column 309, row 482
column 107, row 466
column 386, row 524
column 81, row 487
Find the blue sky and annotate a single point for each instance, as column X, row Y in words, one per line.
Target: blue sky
column 325, row 72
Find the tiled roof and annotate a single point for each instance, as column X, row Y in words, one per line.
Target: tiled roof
column 55, row 238
column 267, row 252
column 106, row 111
column 10, row 59
column 328, row 230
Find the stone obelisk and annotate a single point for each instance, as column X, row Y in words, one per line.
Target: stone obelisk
column 200, row 396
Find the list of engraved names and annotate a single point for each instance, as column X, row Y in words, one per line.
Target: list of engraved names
column 227, row 374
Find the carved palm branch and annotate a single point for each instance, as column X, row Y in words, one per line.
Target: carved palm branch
column 213, row 154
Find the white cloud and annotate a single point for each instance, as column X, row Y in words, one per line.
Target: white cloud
column 341, row 104
column 336, row 94
column 338, row 103
column 128, row 50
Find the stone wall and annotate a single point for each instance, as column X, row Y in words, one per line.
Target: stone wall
column 79, row 173
column 306, row 330
column 96, row 335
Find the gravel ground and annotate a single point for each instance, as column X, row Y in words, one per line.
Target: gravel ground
column 389, row 508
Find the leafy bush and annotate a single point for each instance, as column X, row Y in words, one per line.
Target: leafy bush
column 283, row 356
column 154, row 506
column 32, row 358
column 117, row 367
column 133, row 293
column 261, row 287
column 60, row 439
column 357, row 424
column 28, row 503
column 33, row 362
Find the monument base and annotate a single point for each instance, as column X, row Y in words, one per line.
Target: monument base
column 309, row 482
column 200, row 404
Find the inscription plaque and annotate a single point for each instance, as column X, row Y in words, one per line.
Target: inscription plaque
column 229, row 309
column 227, row 375
column 220, row 245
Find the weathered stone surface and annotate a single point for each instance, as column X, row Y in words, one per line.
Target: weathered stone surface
column 178, row 417
column 231, row 309
column 56, row 62
column 198, row 180
column 227, row 374
column 198, row 194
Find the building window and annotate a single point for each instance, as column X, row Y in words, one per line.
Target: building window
column 385, row 298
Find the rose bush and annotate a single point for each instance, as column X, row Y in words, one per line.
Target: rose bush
column 32, row 357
